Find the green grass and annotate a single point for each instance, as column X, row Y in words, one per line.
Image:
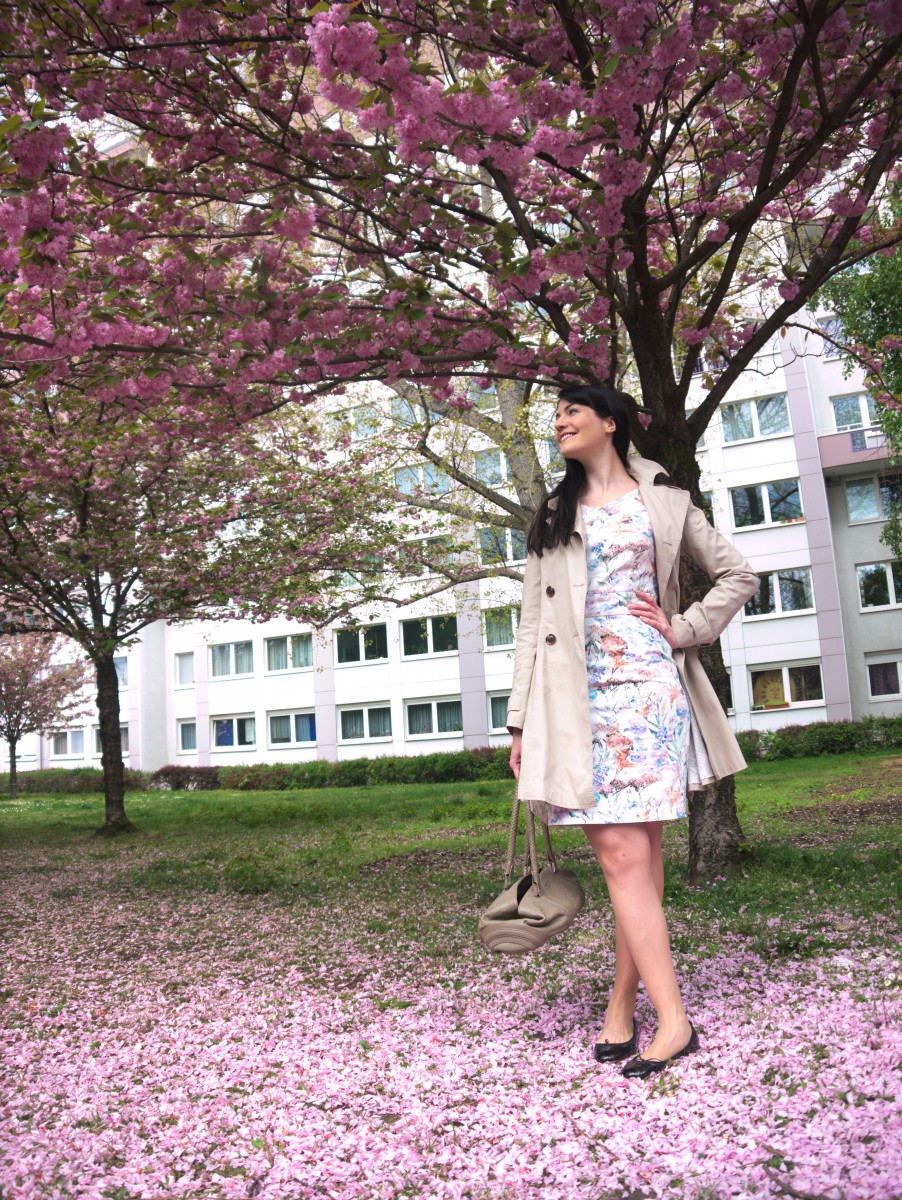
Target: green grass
column 823, row 840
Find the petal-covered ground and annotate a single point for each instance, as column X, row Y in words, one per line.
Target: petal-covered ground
column 226, row 1046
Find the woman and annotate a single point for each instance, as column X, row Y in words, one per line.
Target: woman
column 610, row 710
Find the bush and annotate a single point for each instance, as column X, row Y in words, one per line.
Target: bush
column 174, row 778
column 69, row 781
column 821, row 737
column 752, row 743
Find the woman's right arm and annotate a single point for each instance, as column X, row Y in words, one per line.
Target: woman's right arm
column 524, row 657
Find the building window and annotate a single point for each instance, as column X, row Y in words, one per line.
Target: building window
column 854, row 412
column 291, row 653
column 432, row 718
column 68, row 743
column 784, row 687
column 429, row 635
column 500, row 626
column 184, row 669
column 880, row 584
column 708, row 507
column 488, row 467
column 497, row 546
column 365, row 724
column 768, row 416
column 120, row 662
column 187, row 734
column 483, row 399
column 232, row 658
column 831, row 333
column 426, row 556
column 883, row 679
column 123, row 737
column 556, row 465
column 364, row 422
column 403, row 412
column 777, row 503
column 498, row 713
column 871, row 499
column 292, row 729
column 368, row 644
column 423, row 477
column 787, row 591
column 229, row 732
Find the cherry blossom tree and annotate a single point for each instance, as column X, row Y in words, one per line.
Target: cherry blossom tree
column 37, row 691
column 534, row 192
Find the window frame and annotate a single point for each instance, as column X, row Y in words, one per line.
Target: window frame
column 291, row 713
column 435, row 733
column 236, row 746
column 877, row 483
column 866, row 418
column 366, row 708
column 894, row 592
column 179, row 726
column 289, row 670
column 759, row 668
column 507, row 647
column 430, row 652
column 768, row 522
column 123, row 733
column 490, row 696
column 882, row 697
column 232, row 673
column 509, row 555
column 69, row 753
column 779, row 611
column 120, row 662
column 361, row 631
column 177, row 657
column 757, row 435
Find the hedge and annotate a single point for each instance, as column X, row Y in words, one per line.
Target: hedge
column 69, row 781
column 821, row 737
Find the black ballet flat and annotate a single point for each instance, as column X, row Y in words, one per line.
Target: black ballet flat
column 614, row 1051
column 641, row 1068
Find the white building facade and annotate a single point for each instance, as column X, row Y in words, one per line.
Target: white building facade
column 799, row 481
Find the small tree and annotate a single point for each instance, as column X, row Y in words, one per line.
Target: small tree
column 36, row 693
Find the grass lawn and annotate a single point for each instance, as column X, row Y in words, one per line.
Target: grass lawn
column 281, row 995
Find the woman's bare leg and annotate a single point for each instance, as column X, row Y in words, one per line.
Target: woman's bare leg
column 630, row 856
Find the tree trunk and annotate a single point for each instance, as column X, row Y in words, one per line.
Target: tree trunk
column 13, row 776
column 111, row 749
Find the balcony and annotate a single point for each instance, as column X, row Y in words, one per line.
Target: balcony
column 852, row 447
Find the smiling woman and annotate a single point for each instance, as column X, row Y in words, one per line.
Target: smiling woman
column 611, row 717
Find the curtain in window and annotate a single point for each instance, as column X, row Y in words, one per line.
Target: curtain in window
column 77, row 741
column 188, row 736
column 221, row 659
column 304, row 727
column 884, row 678
column 185, row 668
column 450, row 716
column 380, row 722
column 352, row 724
column 121, row 665
column 302, row 650
column 499, row 627
column 279, row 729
column 737, row 422
column 244, row 658
column 247, row 731
column 277, row 654
column 499, row 712
column 60, row 743
column 419, row 719
column 375, row 642
column 795, row 589
column 773, row 416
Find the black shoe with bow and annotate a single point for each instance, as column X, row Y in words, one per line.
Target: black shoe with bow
column 615, row 1051
column 641, row 1068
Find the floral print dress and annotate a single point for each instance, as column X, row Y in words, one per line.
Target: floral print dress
column 637, row 707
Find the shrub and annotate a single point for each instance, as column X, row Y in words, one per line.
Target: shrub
column 752, row 743
column 174, row 778
column 69, row 781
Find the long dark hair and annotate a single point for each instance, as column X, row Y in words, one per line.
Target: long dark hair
column 555, row 516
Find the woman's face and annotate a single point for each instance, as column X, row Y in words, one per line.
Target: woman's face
column 580, row 432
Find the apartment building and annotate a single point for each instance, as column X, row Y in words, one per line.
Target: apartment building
column 798, row 478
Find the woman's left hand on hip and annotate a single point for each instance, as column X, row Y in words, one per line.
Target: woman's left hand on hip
column 647, row 609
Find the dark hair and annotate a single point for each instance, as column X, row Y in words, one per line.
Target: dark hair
column 553, row 523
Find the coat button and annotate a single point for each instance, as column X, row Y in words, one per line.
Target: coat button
column 549, row 591
column 550, row 639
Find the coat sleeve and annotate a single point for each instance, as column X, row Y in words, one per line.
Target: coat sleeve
column 527, row 643
column 734, row 582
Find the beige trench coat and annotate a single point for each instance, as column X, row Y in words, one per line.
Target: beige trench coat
column 549, row 697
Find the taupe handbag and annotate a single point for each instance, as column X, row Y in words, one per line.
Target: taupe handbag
column 534, row 907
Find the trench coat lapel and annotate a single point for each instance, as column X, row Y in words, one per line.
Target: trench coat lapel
column 666, row 507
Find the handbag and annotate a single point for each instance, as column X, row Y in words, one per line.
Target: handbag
column 533, row 908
